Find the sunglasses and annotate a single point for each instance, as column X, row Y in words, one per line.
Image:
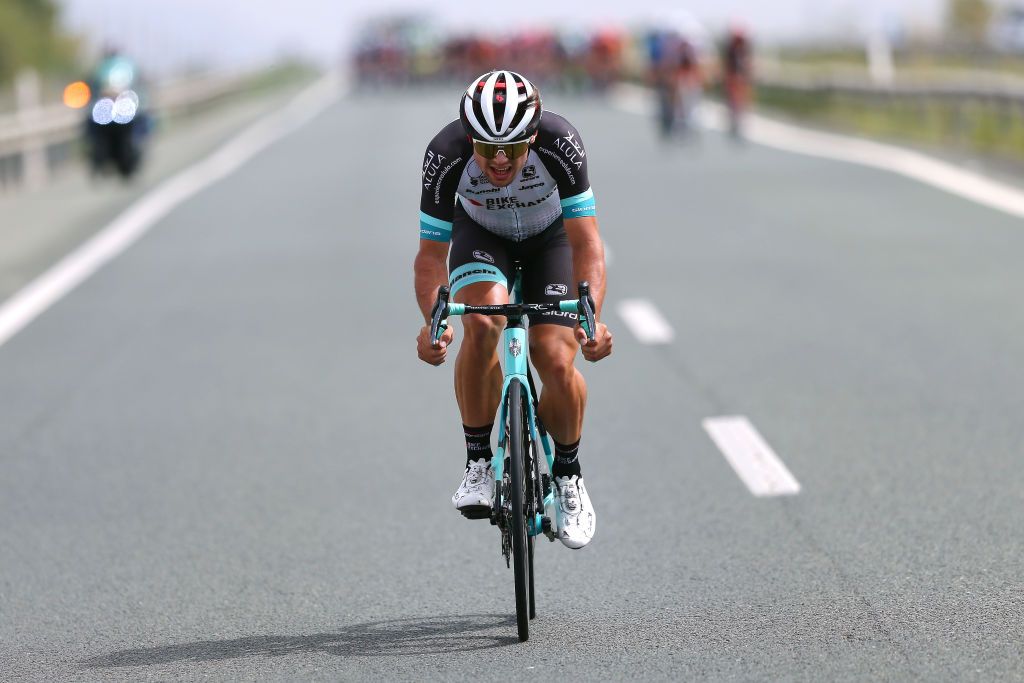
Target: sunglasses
column 512, row 150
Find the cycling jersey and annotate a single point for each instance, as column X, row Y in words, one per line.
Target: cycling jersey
column 553, row 183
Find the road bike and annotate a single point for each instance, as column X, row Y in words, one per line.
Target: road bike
column 524, row 495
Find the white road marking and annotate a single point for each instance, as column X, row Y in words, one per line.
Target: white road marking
column 765, row 131
column 751, row 457
column 36, row 297
column 607, row 254
column 646, row 323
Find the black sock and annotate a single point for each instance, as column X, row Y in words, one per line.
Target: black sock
column 478, row 442
column 567, row 461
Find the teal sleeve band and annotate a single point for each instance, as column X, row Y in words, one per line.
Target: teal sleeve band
column 576, row 199
column 435, row 229
column 579, row 205
column 474, row 272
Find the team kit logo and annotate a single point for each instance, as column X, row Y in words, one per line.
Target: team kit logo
column 556, row 290
column 483, row 256
column 529, row 172
column 481, row 179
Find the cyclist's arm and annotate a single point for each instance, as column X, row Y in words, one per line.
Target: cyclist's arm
column 430, row 271
column 587, row 256
column 443, row 161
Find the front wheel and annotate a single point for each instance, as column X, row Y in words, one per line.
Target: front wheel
column 520, row 542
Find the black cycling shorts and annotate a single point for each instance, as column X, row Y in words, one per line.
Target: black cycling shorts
column 478, row 255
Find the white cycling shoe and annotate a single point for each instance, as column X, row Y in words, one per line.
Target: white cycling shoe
column 576, row 518
column 475, row 493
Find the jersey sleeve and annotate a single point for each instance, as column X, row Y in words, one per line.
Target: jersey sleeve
column 561, row 149
column 443, row 162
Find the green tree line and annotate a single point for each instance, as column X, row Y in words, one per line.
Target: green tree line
column 31, row 37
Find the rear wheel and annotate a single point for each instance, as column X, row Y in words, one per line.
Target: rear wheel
column 521, row 555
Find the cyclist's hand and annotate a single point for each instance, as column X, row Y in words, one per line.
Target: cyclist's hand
column 427, row 351
column 600, row 347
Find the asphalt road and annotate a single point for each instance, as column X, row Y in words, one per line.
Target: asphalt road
column 222, row 460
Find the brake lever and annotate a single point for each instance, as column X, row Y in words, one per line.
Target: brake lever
column 586, row 306
column 439, row 315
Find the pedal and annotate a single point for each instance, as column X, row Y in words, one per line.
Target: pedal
column 476, row 512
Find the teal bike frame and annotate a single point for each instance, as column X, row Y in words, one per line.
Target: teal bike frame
column 523, row 511
column 516, row 365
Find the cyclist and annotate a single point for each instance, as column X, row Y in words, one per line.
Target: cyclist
column 737, row 76
column 507, row 182
column 676, row 76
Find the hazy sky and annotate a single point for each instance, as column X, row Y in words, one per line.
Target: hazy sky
column 166, row 33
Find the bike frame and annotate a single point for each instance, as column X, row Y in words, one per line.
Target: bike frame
column 528, row 483
column 516, row 365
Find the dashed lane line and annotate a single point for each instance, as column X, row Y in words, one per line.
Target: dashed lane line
column 751, row 457
column 646, row 323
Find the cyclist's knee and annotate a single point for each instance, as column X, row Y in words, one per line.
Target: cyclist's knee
column 482, row 330
column 552, row 355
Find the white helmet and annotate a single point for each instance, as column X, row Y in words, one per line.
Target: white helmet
column 501, row 106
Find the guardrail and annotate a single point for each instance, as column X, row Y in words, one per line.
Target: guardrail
column 991, row 89
column 35, row 141
column 978, row 112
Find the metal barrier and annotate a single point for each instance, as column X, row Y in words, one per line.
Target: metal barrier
column 990, row 89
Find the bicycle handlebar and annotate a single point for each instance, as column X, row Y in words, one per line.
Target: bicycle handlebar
column 584, row 307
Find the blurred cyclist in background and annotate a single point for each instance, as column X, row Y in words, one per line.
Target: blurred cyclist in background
column 737, row 75
column 676, row 77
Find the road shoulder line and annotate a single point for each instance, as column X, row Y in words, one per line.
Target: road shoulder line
column 37, row 296
column 908, row 163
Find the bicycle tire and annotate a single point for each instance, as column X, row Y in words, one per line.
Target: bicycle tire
column 535, row 509
column 533, row 600
column 520, row 544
